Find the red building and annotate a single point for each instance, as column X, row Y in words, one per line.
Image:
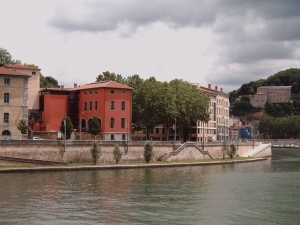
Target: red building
column 110, row 101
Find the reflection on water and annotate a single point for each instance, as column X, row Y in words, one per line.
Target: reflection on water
column 265, row 192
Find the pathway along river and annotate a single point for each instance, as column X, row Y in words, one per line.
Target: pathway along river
column 264, row 192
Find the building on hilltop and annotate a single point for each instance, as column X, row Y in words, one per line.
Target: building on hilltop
column 270, row 94
column 14, row 101
column 109, row 101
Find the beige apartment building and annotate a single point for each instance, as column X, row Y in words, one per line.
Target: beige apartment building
column 13, row 101
column 217, row 128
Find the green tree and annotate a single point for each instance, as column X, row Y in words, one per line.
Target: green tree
column 148, row 151
column 48, row 82
column 69, row 127
column 225, row 148
column 94, row 126
column 22, row 127
column 231, row 150
column 110, row 76
column 190, row 104
column 5, row 57
column 95, row 152
column 117, row 154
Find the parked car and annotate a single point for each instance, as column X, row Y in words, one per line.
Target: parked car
column 8, row 138
column 37, row 138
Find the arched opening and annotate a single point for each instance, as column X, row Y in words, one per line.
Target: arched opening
column 83, row 125
column 6, row 133
column 89, row 122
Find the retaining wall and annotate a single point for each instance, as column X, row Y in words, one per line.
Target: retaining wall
column 79, row 151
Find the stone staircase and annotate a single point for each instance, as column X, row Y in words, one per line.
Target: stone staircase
column 256, row 150
column 182, row 147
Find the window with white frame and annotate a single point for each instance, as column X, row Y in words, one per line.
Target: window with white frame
column 123, row 123
column 6, row 118
column 123, row 105
column 6, row 98
column 112, row 105
column 123, row 92
column 6, row 81
column 96, row 105
column 112, row 123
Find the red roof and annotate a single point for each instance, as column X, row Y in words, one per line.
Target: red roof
column 103, row 84
column 205, row 89
column 18, row 66
column 5, row 71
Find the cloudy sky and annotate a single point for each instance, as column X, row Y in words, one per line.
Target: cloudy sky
column 225, row 43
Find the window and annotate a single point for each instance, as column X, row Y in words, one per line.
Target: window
column 112, row 123
column 96, row 105
column 6, row 98
column 112, row 105
column 6, row 118
column 96, row 92
column 123, row 92
column 123, row 137
column 6, row 81
column 91, row 92
column 123, row 105
column 85, row 106
column 112, row 137
column 112, row 92
column 33, row 73
column 157, row 130
column 91, row 106
column 85, row 93
column 123, row 123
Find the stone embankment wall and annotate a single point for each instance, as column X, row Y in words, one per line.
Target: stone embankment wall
column 79, row 151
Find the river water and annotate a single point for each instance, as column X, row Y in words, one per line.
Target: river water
column 265, row 192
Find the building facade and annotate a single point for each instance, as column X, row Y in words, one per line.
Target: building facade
column 14, row 101
column 109, row 101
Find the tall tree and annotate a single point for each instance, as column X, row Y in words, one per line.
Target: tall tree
column 94, row 127
column 110, row 76
column 5, row 57
column 22, row 127
column 95, row 152
column 69, row 126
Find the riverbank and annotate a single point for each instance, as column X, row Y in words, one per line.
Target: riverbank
column 76, row 167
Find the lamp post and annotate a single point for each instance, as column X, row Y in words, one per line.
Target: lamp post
column 65, row 129
column 203, row 137
column 224, row 138
column 175, row 135
column 81, row 123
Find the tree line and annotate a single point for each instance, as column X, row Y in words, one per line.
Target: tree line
column 161, row 103
column 279, row 127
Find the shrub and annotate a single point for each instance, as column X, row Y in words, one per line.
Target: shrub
column 117, row 154
column 148, row 151
column 95, row 152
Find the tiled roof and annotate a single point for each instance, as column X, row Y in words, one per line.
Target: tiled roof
column 205, row 89
column 103, row 84
column 275, row 87
column 5, row 71
column 18, row 66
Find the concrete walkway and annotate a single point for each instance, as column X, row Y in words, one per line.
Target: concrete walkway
column 122, row 166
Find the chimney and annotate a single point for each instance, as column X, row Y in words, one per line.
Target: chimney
column 209, row 86
column 62, row 87
column 75, row 85
column 216, row 88
column 221, row 89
